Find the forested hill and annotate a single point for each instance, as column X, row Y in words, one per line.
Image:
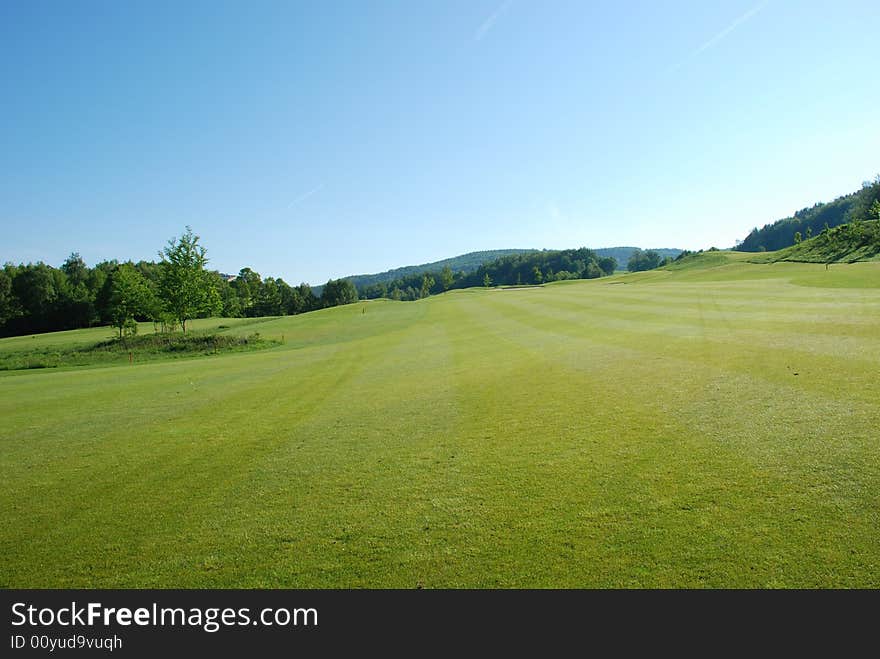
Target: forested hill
column 809, row 222
column 466, row 263
column 847, row 243
column 527, row 268
column 623, row 254
column 471, row 262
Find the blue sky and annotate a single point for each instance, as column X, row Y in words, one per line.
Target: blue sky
column 316, row 140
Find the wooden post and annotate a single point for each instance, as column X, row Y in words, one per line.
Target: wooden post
column 129, row 358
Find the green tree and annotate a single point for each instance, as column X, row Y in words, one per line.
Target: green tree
column 809, row 232
column 76, row 269
column 269, row 301
column 487, row 280
column 446, row 277
column 230, row 304
column 607, row 265
column 797, row 237
column 643, row 260
column 338, row 291
column 186, row 288
column 247, row 285
column 306, row 298
column 36, row 289
column 427, row 285
column 130, row 297
column 8, row 302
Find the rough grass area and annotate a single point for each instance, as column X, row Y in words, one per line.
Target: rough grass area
column 133, row 349
column 700, row 427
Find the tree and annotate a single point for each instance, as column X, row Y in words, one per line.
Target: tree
column 446, row 277
column 307, row 299
column 76, row 269
column 230, row 305
column 8, row 303
column 338, row 291
column 427, row 285
column 185, row 287
column 290, row 298
column 247, row 286
column 643, row 260
column 130, row 296
column 36, row 289
column 607, row 265
column 797, row 237
column 487, row 280
column 269, row 301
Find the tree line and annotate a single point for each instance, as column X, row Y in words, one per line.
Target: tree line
column 40, row 298
column 529, row 268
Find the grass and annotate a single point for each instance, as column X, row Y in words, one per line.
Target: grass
column 697, row 426
column 128, row 350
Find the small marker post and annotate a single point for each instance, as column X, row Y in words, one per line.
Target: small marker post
column 129, row 357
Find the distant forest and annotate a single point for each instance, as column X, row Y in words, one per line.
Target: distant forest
column 470, row 262
column 464, row 263
column 809, row 222
column 528, row 268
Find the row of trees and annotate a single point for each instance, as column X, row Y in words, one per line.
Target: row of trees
column 516, row 269
column 642, row 260
column 39, row 298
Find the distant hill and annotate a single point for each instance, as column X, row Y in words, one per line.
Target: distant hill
column 465, row 263
column 471, row 262
column 622, row 254
column 847, row 243
column 781, row 234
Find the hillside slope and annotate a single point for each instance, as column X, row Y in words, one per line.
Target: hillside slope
column 847, row 243
column 811, row 221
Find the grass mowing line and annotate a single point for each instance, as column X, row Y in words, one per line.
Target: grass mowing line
column 183, row 454
column 338, row 499
column 684, row 363
column 735, row 475
column 709, row 346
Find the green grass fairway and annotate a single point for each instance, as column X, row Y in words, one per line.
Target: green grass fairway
column 715, row 424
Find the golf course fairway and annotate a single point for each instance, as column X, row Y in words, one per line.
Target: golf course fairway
column 711, row 425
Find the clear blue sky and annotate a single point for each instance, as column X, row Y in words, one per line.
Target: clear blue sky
column 316, row 140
